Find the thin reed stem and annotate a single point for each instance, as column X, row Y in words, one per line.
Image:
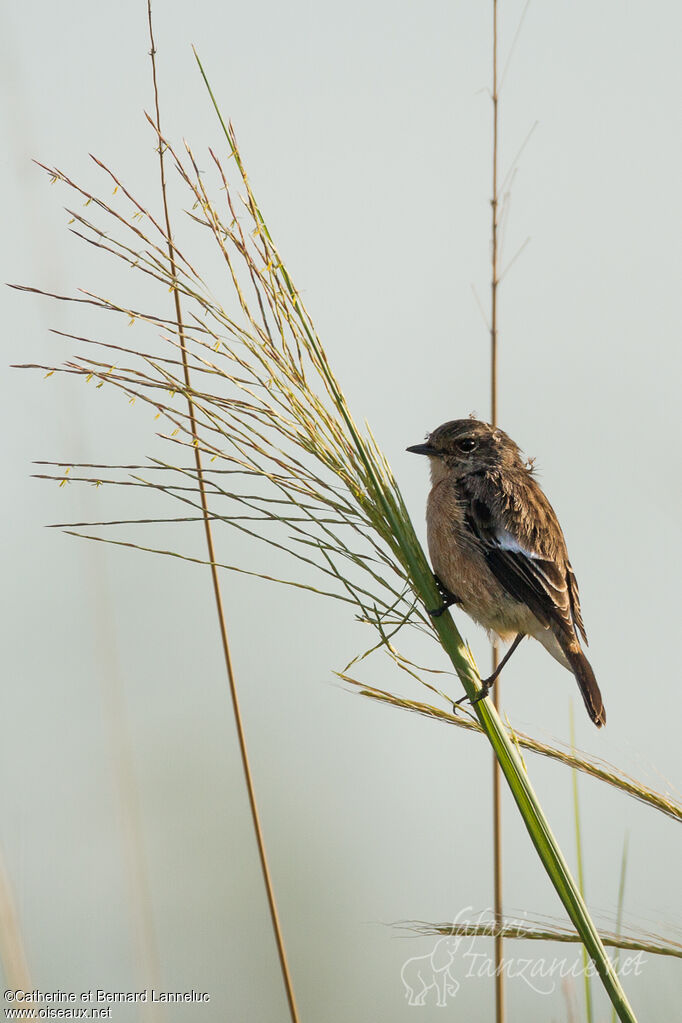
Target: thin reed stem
column 267, row 879
column 621, row 902
column 581, row 872
column 12, row 952
column 494, row 202
column 497, row 860
column 144, row 933
column 497, row 775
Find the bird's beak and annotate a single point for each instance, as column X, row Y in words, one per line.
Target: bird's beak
column 422, row 449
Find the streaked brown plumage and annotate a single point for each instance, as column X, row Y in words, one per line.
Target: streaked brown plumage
column 497, row 547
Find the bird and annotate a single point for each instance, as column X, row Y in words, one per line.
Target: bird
column 498, row 551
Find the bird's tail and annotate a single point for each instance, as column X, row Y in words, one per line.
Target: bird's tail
column 582, row 669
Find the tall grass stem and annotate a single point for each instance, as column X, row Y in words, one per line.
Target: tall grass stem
column 589, row 1014
column 12, row 952
column 621, row 902
column 497, row 787
column 241, row 735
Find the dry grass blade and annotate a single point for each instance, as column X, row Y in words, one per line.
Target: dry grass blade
column 580, row 761
column 539, row 930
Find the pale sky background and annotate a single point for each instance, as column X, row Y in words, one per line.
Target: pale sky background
column 366, row 132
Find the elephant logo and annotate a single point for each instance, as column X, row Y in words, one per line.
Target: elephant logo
column 421, row 973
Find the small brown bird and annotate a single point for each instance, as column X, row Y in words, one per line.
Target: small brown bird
column 497, row 548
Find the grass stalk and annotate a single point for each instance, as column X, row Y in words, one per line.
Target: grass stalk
column 497, row 786
column 146, row 953
column 621, row 902
column 494, row 255
column 589, row 1014
column 12, row 952
column 229, row 668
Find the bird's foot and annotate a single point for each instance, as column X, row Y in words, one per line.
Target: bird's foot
column 449, row 598
column 436, row 612
column 486, row 686
column 488, row 683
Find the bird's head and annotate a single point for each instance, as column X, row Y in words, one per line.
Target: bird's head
column 467, row 445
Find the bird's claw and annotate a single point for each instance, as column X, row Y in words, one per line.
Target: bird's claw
column 480, row 695
column 449, row 598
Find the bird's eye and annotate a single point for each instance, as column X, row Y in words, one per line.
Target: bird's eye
column 467, row 444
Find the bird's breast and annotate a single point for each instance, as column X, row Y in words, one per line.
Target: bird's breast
column 460, row 564
column 453, row 552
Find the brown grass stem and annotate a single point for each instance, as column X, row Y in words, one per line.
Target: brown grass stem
column 201, row 487
column 131, row 832
column 497, row 773
column 12, row 952
column 589, row 1013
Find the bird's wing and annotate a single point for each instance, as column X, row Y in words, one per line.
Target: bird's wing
column 512, row 546
column 574, row 597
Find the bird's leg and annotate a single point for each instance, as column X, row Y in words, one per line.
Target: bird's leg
column 487, row 683
column 449, row 598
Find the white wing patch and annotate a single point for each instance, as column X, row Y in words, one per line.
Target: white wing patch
column 509, row 543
